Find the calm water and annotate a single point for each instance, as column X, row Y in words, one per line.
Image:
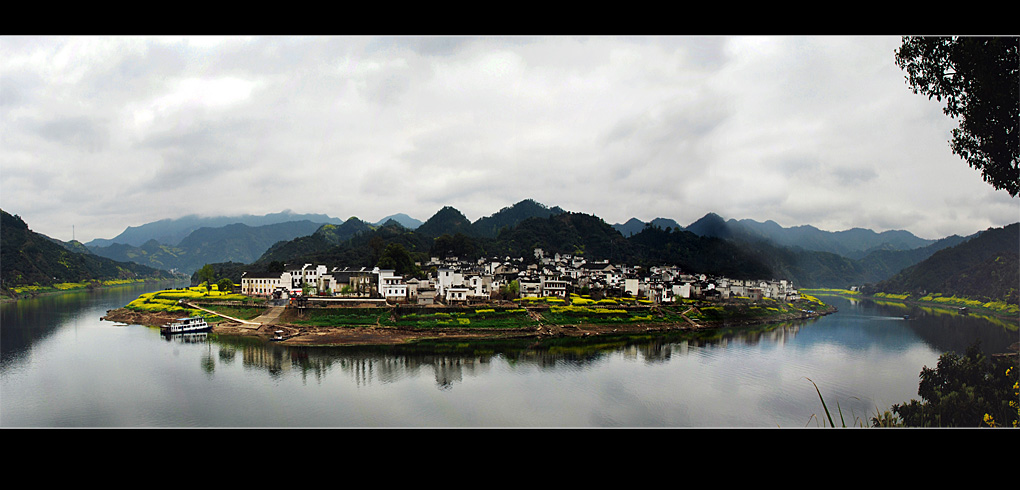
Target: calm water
column 63, row 367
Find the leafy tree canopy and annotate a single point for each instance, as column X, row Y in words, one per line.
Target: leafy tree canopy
column 979, row 79
column 207, row 274
column 972, row 390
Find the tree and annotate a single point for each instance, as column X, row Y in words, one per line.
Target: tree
column 207, row 274
column 979, row 78
column 396, row 257
column 511, row 290
column 225, row 285
column 972, row 390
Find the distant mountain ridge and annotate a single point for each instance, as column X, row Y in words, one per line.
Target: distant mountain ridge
column 172, row 231
column 404, row 220
column 853, row 243
column 985, row 267
column 236, row 242
column 511, row 216
column 634, row 225
column 446, row 221
column 804, row 254
column 27, row 258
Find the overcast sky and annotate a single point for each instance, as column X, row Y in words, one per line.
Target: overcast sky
column 101, row 133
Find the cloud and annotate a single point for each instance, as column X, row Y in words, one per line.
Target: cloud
column 800, row 130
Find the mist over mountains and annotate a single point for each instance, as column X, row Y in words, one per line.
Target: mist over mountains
column 172, row 231
column 808, row 256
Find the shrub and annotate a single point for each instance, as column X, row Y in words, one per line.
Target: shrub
column 964, row 391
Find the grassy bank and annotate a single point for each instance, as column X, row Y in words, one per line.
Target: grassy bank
column 932, row 300
column 530, row 312
column 28, row 291
column 168, row 301
column 533, row 312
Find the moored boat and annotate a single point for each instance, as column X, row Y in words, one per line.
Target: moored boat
column 185, row 325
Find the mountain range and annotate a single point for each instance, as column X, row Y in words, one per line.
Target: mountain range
column 172, row 231
column 804, row 254
column 27, row 258
column 986, row 267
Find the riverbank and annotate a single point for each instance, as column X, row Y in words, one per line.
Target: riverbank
column 27, row 292
column 287, row 331
column 1002, row 312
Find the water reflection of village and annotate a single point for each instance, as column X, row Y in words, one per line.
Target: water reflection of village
column 452, row 363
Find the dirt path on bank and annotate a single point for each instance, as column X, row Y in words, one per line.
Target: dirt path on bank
column 270, row 316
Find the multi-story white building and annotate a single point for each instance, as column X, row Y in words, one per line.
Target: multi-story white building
column 265, row 285
column 393, row 288
column 446, row 278
column 306, row 275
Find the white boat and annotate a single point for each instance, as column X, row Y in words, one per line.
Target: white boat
column 184, row 325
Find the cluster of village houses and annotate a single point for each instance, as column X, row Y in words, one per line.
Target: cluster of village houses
column 459, row 282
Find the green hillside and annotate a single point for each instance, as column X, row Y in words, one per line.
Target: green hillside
column 29, row 258
column 235, row 242
column 986, row 268
column 511, row 216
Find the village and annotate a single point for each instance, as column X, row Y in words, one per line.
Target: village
column 457, row 282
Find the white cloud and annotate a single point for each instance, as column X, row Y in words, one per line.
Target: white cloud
column 801, row 130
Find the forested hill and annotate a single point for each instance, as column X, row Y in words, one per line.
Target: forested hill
column 449, row 234
column 854, row 243
column 236, row 242
column 511, row 216
column 564, row 232
column 712, row 245
column 172, row 231
column 28, row 258
column 986, row 267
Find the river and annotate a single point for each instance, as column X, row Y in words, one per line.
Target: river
column 62, row 366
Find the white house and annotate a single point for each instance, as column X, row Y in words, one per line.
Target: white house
column 264, row 285
column 456, row 295
column 394, row 288
column 447, row 278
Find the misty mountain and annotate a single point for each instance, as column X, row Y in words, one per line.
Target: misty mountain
column 172, row 231
column 564, row 233
column 235, row 242
column 814, row 258
column 654, row 245
column 510, row 216
column 985, row 267
column 27, row 257
column 337, row 234
column 446, row 221
column 710, row 245
column 738, row 248
column 634, row 225
column 854, row 243
column 404, row 220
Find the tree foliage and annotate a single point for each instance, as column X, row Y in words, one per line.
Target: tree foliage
column 27, row 257
column 979, row 80
column 972, row 390
column 396, row 257
column 207, row 274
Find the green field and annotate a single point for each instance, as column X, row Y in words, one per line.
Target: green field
column 167, row 300
column 556, row 311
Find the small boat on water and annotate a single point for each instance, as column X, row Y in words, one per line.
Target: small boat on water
column 185, row 325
